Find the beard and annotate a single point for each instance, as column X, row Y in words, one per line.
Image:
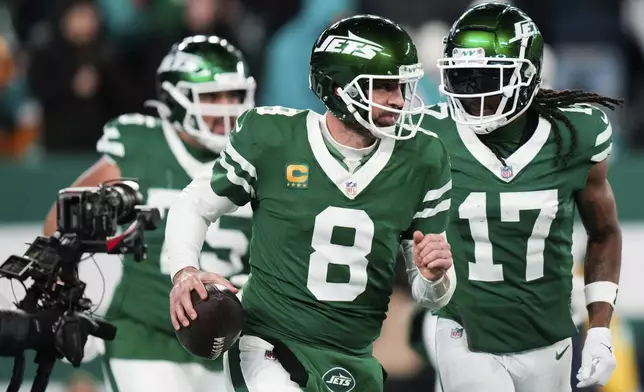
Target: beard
column 365, row 133
column 367, row 136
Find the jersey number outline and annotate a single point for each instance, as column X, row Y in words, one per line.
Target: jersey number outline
column 277, row 110
column 218, row 236
column 110, row 142
column 473, row 209
column 326, row 253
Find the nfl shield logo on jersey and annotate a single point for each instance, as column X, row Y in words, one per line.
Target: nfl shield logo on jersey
column 352, row 188
column 457, row 333
column 506, row 172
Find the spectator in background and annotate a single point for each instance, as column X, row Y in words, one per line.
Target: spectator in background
column 223, row 18
column 76, row 79
column 587, row 38
column 19, row 115
column 125, row 20
column 588, row 41
column 286, row 76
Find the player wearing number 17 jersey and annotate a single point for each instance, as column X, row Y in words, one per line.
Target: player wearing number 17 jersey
column 333, row 196
column 203, row 86
column 523, row 160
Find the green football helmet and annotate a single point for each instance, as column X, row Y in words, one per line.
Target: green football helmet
column 491, row 69
column 203, row 65
column 352, row 57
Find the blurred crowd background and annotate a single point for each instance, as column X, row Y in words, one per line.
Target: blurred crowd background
column 67, row 66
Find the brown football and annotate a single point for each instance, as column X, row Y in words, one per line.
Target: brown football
column 217, row 326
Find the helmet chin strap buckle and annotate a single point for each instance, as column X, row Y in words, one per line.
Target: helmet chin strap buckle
column 347, row 101
column 484, row 129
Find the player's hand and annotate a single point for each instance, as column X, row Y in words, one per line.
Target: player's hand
column 185, row 281
column 597, row 358
column 432, row 255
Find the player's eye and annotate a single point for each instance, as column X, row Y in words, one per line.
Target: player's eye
column 386, row 85
column 476, row 80
column 223, row 96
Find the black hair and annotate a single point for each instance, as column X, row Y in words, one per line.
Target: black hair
column 548, row 103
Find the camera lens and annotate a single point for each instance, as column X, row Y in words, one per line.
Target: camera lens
column 128, row 196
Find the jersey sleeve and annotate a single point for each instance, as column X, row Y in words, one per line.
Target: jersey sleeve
column 111, row 143
column 234, row 174
column 433, row 211
column 594, row 133
column 602, row 144
column 122, row 135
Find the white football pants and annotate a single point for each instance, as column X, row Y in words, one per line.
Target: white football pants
column 250, row 368
column 461, row 370
column 128, row 375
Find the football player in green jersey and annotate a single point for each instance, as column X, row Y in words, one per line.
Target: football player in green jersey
column 523, row 160
column 333, row 196
column 203, row 86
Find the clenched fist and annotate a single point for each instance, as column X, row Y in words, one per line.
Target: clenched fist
column 432, row 255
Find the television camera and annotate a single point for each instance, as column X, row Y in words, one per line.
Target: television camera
column 55, row 318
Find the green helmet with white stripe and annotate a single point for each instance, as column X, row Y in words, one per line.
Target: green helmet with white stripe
column 491, row 69
column 353, row 57
column 195, row 69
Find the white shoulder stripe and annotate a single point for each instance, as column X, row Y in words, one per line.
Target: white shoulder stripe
column 436, row 194
column 110, row 142
column 428, row 133
column 602, row 137
column 233, row 177
column 602, row 155
column 429, row 212
column 240, row 160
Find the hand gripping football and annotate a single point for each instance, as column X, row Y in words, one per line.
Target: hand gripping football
column 217, row 326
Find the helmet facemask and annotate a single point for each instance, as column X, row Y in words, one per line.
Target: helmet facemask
column 190, row 97
column 358, row 95
column 476, row 85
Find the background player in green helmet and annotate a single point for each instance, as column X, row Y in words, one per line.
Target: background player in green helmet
column 203, row 86
column 523, row 160
column 333, row 197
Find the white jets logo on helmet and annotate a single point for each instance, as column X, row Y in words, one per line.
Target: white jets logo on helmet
column 180, row 62
column 523, row 30
column 352, row 45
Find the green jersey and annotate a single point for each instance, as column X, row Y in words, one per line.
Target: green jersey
column 146, row 149
column 511, row 225
column 325, row 237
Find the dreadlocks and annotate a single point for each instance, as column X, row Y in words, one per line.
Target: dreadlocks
column 547, row 104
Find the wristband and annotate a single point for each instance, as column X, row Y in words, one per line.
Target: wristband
column 602, row 291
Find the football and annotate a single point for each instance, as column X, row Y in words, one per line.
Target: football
column 218, row 324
